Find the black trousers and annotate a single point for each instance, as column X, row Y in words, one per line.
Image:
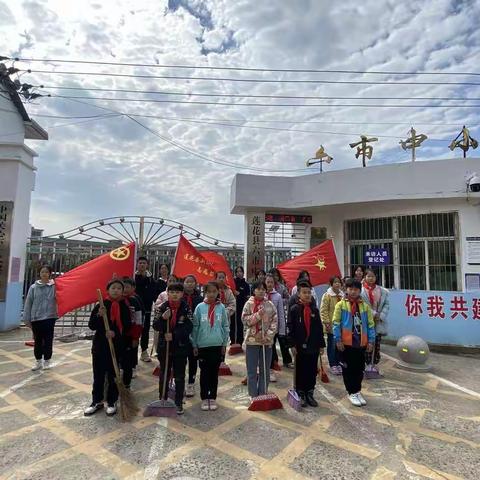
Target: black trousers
column 209, row 360
column 128, row 363
column 177, row 364
column 192, row 365
column 286, row 357
column 369, row 355
column 236, row 328
column 103, row 367
column 145, row 332
column 43, row 335
column 352, row 361
column 306, row 367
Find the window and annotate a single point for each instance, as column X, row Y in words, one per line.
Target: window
column 422, row 249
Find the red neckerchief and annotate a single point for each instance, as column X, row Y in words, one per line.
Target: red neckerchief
column 189, row 299
column 307, row 316
column 211, row 310
column 370, row 289
column 222, row 296
column 354, row 306
column 256, row 307
column 174, row 306
column 269, row 295
column 115, row 313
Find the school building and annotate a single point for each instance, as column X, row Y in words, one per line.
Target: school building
column 417, row 224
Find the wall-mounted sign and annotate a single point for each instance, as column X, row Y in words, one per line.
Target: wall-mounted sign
column 473, row 250
column 377, row 257
column 255, row 258
column 6, row 212
column 287, row 218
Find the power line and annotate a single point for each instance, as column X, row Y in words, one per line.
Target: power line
column 242, row 69
column 248, row 80
column 248, row 95
column 283, row 105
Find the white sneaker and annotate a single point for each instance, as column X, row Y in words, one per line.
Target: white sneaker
column 145, row 357
column 190, row 390
column 354, row 400
column 205, row 406
column 47, row 365
column 134, row 373
column 273, row 377
column 93, row 408
column 213, row 405
column 360, row 397
column 111, row 410
column 38, row 365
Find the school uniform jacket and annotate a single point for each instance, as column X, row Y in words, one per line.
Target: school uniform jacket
column 96, row 323
column 195, row 298
column 343, row 323
column 297, row 332
column 181, row 333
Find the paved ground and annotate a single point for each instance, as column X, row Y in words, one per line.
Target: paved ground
column 415, row 426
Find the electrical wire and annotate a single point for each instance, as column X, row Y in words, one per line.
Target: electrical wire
column 247, row 80
column 283, row 105
column 243, row 69
column 248, row 95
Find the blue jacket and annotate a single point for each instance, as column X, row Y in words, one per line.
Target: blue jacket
column 204, row 335
column 343, row 323
column 40, row 303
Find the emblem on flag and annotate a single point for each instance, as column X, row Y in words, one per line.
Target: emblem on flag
column 120, row 253
column 321, row 264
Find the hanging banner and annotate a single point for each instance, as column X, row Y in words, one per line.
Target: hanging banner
column 6, row 213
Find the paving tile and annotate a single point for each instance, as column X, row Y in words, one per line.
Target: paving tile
column 194, row 417
column 41, row 387
column 12, row 345
column 458, row 458
column 68, row 406
column 12, row 367
column 452, row 425
column 28, row 448
column 85, row 377
column 14, row 420
column 142, row 447
column 260, row 437
column 237, row 394
column 79, row 467
column 209, row 464
column 95, row 425
column 306, row 416
column 320, row 460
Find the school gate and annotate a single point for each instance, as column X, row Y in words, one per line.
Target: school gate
column 155, row 237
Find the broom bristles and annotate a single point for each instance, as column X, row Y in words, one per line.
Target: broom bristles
column 294, row 400
column 264, row 403
column 224, row 370
column 323, row 376
column 235, row 349
column 128, row 403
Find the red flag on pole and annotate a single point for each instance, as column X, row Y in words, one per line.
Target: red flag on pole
column 219, row 263
column 189, row 261
column 320, row 262
column 78, row 287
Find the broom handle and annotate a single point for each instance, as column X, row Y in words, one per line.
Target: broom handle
column 110, row 341
column 165, row 373
column 264, row 361
column 295, row 371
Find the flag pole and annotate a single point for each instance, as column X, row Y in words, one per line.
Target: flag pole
column 172, row 269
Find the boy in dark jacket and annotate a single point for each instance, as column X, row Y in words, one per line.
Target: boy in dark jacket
column 119, row 319
column 176, row 316
column 305, row 337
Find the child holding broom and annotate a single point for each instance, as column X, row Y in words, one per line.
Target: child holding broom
column 377, row 297
column 193, row 298
column 327, row 308
column 211, row 328
column 354, row 332
column 261, row 322
column 119, row 319
column 178, row 315
column 305, row 336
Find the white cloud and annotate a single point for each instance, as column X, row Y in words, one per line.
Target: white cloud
column 114, row 166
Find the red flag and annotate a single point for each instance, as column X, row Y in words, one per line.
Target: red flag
column 320, row 262
column 219, row 264
column 189, row 261
column 78, row 287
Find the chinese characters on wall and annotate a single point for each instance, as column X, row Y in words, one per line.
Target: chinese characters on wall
column 255, row 243
column 6, row 211
column 442, row 307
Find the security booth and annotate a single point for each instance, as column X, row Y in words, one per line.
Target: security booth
column 417, row 225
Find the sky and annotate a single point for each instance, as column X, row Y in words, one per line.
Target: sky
column 92, row 168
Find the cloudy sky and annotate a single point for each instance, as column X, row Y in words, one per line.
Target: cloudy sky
column 100, row 162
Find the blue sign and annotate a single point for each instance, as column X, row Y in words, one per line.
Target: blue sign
column 377, row 257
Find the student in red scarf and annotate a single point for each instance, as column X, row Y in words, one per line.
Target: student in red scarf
column 261, row 323
column 211, row 328
column 354, row 333
column 305, row 337
column 176, row 313
column 120, row 322
column 377, row 297
column 193, row 298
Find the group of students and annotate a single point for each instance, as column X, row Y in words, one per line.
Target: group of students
column 195, row 328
